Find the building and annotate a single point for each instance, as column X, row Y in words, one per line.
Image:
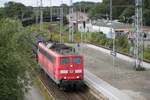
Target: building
column 130, row 29
column 76, row 17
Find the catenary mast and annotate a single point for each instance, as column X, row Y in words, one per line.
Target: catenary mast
column 138, row 40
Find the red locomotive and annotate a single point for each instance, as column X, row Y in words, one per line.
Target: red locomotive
column 61, row 63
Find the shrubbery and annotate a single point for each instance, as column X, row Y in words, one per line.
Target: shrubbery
column 15, row 58
column 121, row 43
column 147, row 53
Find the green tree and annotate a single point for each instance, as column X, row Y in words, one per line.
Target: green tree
column 15, row 59
column 127, row 14
column 122, row 44
column 103, row 9
column 1, row 13
column 17, row 10
column 146, row 17
column 13, row 9
column 83, row 6
column 100, row 11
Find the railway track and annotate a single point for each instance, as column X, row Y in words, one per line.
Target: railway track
column 83, row 94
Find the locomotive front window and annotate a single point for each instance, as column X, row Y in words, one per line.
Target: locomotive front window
column 65, row 60
column 76, row 60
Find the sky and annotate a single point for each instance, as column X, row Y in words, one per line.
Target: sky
column 45, row 2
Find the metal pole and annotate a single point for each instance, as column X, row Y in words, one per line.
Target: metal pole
column 72, row 32
column 41, row 16
column 139, row 36
column 71, row 22
column 51, row 11
column 112, row 35
column 37, row 12
column 84, row 28
column 61, row 21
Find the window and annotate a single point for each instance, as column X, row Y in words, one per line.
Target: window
column 65, row 60
column 76, row 60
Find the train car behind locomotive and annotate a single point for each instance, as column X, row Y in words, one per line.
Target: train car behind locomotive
column 62, row 64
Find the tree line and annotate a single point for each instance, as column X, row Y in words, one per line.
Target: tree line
column 123, row 10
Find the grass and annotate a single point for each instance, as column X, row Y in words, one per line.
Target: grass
column 42, row 90
column 35, row 79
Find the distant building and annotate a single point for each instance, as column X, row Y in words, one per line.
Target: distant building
column 76, row 17
column 118, row 29
column 94, row 28
column 130, row 29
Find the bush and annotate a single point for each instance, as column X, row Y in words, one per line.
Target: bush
column 122, row 44
column 15, row 58
column 98, row 38
column 147, row 53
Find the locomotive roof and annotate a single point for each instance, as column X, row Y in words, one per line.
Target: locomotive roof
column 41, row 38
column 43, row 46
column 62, row 48
column 59, row 48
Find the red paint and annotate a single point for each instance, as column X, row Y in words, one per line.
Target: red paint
column 55, row 67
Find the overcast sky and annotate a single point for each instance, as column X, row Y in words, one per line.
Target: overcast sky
column 45, row 2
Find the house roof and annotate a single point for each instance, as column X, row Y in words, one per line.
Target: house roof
column 130, row 28
column 118, row 26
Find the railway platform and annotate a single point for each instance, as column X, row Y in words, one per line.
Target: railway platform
column 120, row 82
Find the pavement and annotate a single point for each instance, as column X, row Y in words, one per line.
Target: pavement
column 121, row 77
column 103, row 87
column 118, row 55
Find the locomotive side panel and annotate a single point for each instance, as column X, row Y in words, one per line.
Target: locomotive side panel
column 47, row 62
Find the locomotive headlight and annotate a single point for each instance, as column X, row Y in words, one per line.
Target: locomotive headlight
column 78, row 71
column 78, row 77
column 63, row 71
column 65, row 78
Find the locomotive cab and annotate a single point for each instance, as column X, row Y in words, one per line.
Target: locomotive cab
column 71, row 70
column 62, row 64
